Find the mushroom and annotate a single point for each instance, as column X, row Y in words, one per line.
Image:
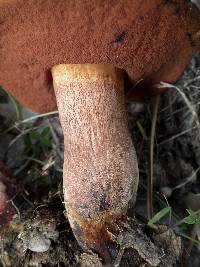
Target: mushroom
column 79, row 51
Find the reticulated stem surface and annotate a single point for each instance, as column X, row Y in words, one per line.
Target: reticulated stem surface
column 100, row 165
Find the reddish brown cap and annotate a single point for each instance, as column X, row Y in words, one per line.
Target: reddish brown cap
column 152, row 39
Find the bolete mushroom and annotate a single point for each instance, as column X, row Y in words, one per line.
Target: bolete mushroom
column 43, row 41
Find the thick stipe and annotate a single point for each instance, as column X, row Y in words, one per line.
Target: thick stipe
column 100, row 164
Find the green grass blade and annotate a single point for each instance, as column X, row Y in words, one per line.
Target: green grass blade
column 159, row 215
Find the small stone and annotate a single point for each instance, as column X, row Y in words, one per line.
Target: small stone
column 39, row 244
column 192, row 201
column 166, row 191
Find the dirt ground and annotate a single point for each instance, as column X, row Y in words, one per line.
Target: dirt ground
column 39, row 234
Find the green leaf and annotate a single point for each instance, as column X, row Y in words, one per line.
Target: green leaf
column 159, row 215
column 189, row 220
column 35, row 135
column 192, row 213
column 193, row 218
column 45, row 132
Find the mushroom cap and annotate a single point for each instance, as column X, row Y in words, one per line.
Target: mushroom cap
column 152, row 40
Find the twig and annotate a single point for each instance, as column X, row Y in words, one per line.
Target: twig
column 187, row 102
column 31, row 119
column 176, row 136
column 190, row 244
column 150, row 177
column 190, row 107
column 187, row 180
column 16, row 208
column 142, row 131
column 119, row 258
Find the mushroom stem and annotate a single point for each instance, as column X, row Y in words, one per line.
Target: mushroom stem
column 100, row 165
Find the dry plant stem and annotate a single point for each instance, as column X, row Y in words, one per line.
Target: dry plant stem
column 100, row 165
column 3, row 197
column 6, row 211
column 190, row 244
column 150, row 177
